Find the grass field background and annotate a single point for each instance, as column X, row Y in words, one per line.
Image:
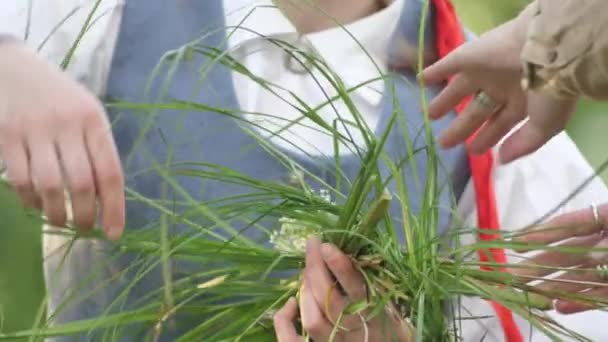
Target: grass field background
column 21, row 282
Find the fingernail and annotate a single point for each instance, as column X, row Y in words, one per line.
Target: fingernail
column 327, row 250
column 312, row 241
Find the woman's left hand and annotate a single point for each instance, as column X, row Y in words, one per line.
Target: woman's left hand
column 490, row 70
column 586, row 271
column 328, row 271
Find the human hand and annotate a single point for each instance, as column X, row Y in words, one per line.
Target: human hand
column 587, row 272
column 491, row 65
column 328, row 271
column 55, row 136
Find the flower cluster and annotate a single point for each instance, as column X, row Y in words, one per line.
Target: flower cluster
column 291, row 237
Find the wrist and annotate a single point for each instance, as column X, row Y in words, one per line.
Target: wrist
column 521, row 23
column 518, row 27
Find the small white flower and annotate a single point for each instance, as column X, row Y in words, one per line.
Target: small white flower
column 291, row 237
column 295, row 178
column 325, row 195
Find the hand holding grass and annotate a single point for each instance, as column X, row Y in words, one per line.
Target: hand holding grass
column 330, row 284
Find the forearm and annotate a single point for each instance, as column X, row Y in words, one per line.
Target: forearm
column 565, row 53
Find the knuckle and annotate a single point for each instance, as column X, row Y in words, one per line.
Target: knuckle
column 92, row 112
column 111, row 177
column 50, row 187
column 81, row 185
column 78, row 114
column 56, row 217
column 20, row 183
column 339, row 263
column 84, row 221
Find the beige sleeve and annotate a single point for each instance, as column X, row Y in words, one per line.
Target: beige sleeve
column 566, row 49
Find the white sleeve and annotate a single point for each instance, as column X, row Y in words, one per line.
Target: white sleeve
column 530, row 187
column 526, row 190
column 35, row 23
column 54, row 26
column 12, row 18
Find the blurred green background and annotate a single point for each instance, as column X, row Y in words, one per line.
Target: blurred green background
column 21, row 282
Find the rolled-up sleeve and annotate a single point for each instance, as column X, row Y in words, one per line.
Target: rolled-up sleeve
column 566, row 48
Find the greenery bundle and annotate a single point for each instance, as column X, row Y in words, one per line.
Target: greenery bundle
column 251, row 278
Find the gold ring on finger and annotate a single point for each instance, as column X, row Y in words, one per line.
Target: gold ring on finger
column 483, row 99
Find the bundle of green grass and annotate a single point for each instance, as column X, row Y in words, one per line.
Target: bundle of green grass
column 234, row 299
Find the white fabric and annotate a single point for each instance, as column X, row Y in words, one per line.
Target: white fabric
column 526, row 189
column 250, row 21
column 62, row 21
column 336, row 47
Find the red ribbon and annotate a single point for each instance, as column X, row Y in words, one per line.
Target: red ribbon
column 450, row 35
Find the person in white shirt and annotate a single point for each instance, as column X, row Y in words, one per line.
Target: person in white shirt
column 65, row 132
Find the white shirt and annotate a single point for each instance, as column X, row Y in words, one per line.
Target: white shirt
column 525, row 189
column 336, row 47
